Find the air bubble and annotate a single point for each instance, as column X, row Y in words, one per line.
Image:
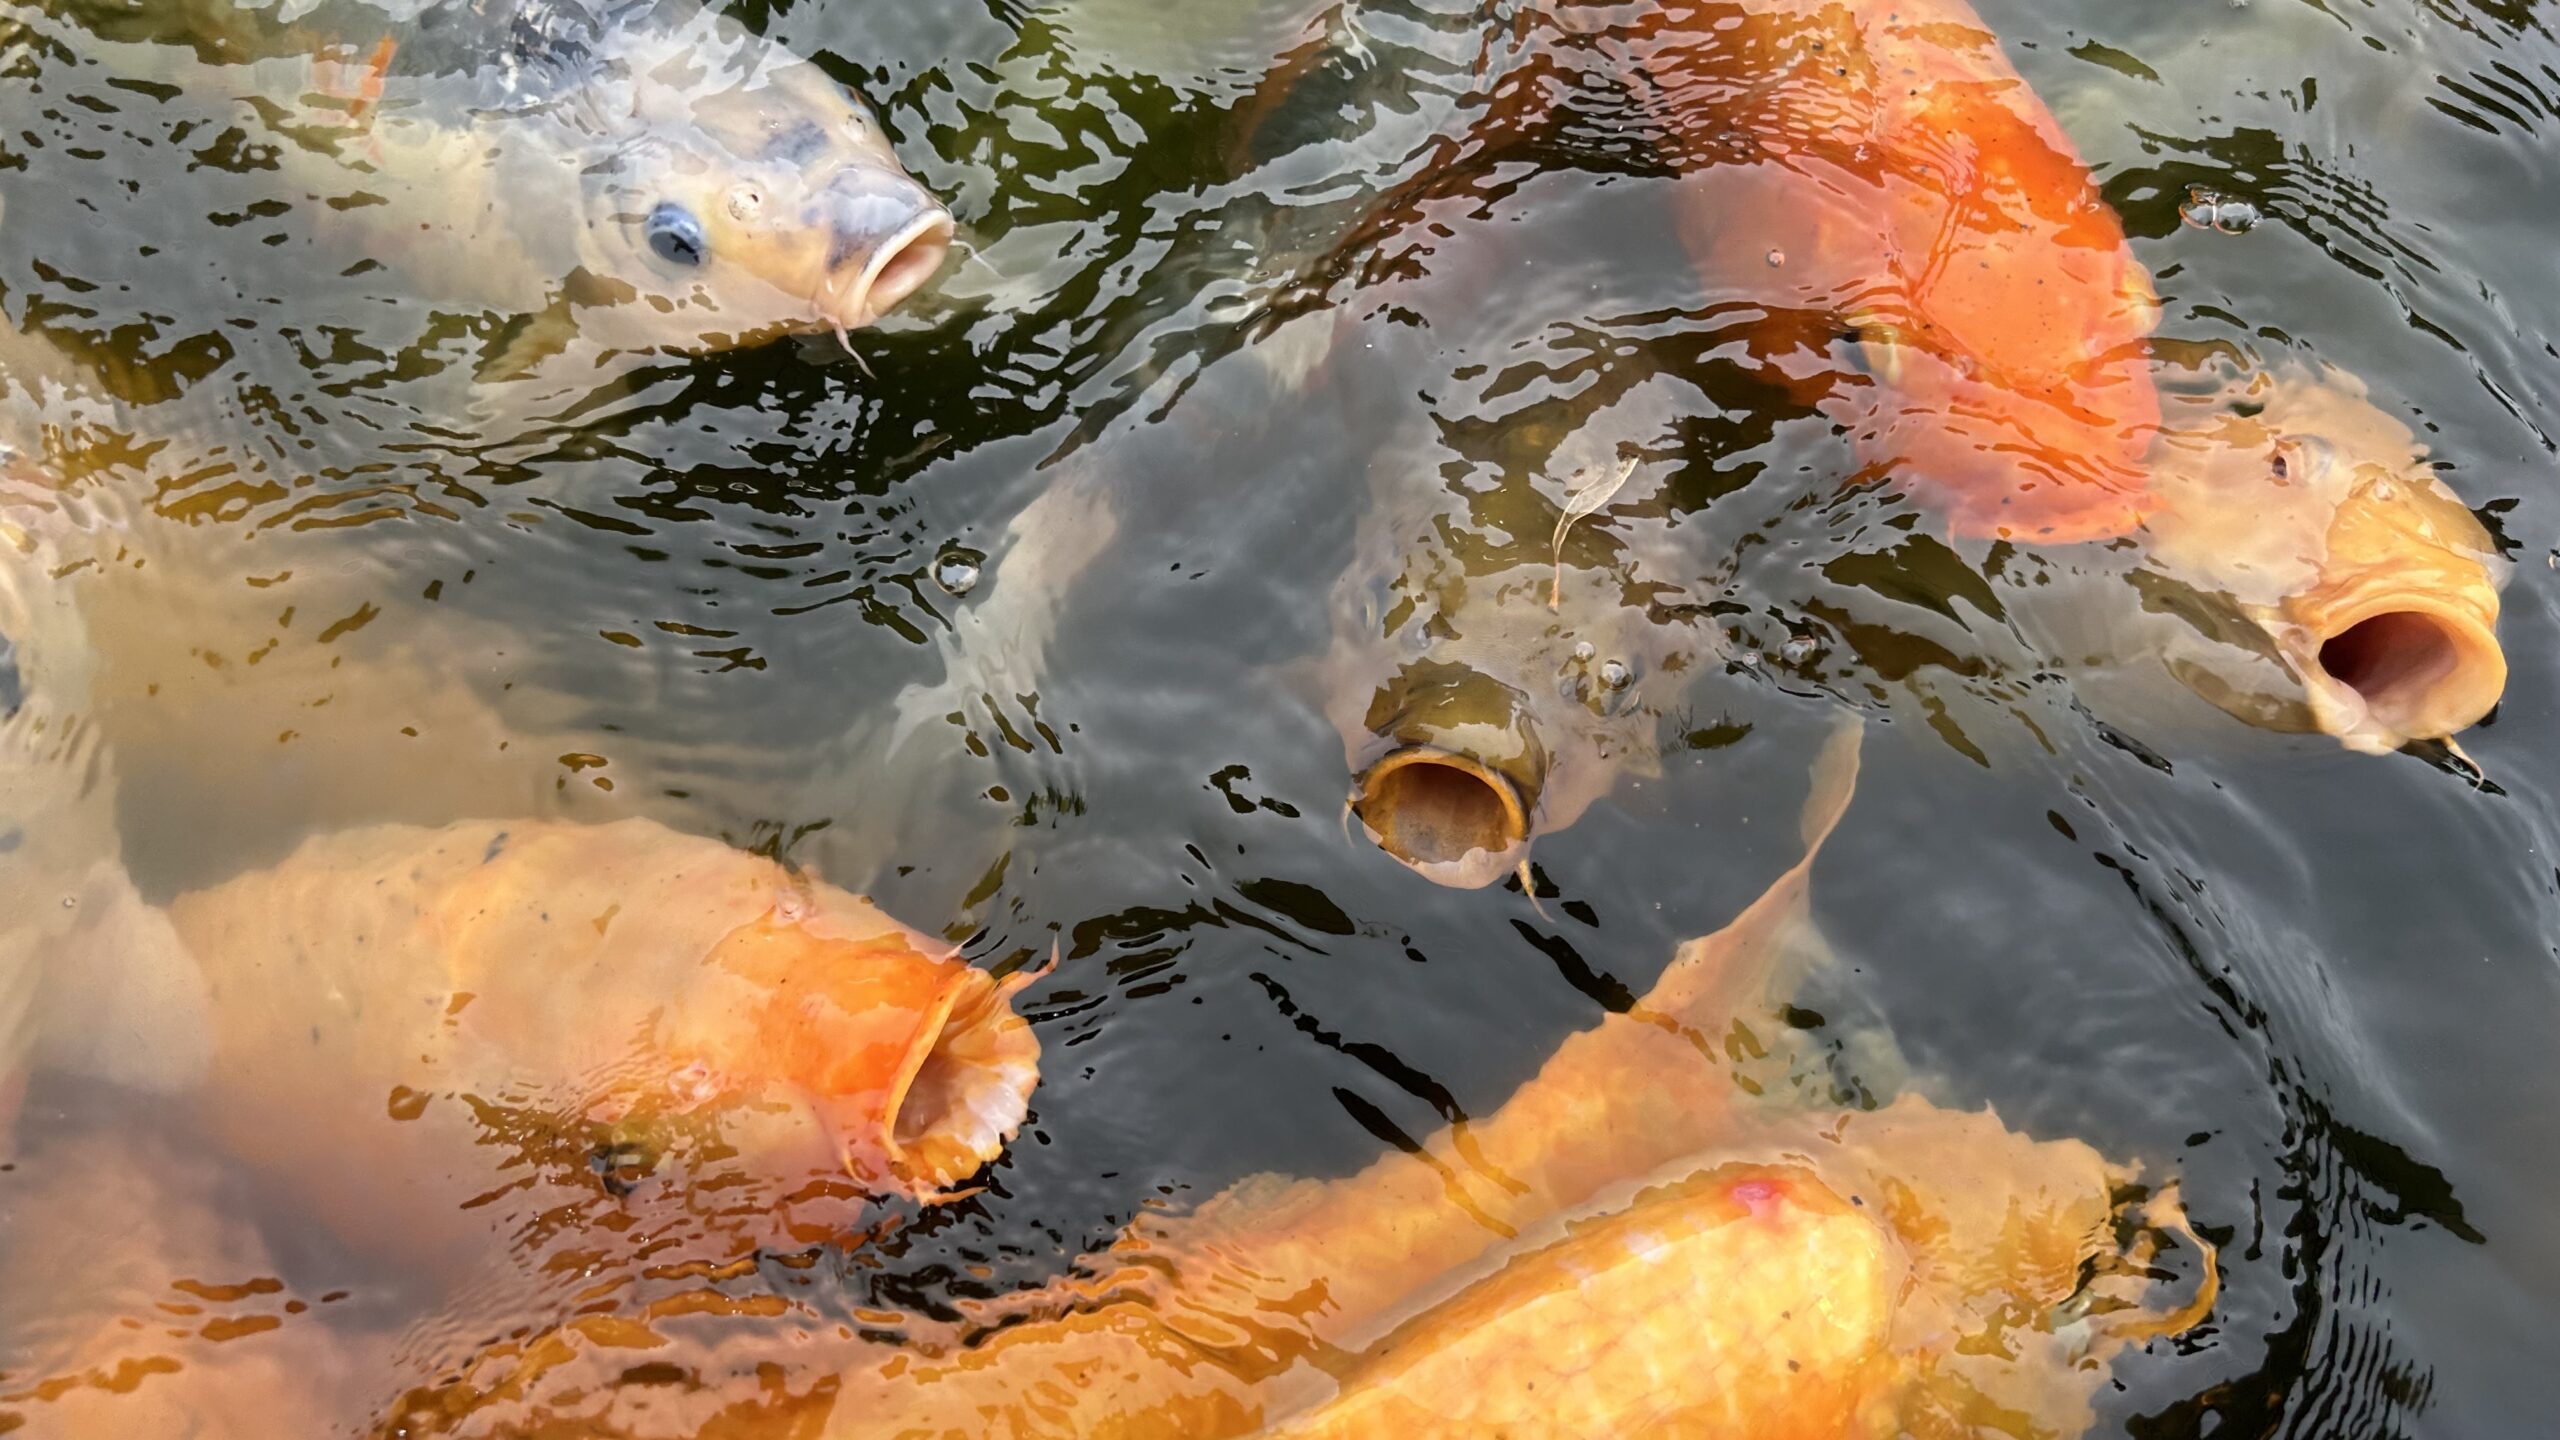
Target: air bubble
column 1615, row 675
column 1798, row 650
column 957, row 569
column 2211, row 210
column 1777, row 258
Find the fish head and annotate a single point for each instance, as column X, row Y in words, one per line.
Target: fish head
column 2315, row 512
column 747, row 194
column 915, row 1063
column 1479, row 712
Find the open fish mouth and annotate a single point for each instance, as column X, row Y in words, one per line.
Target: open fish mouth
column 896, row 268
column 1448, row 817
column 2400, row 668
column 2377, row 585
column 964, row 1087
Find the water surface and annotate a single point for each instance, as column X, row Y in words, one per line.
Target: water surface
column 720, row 592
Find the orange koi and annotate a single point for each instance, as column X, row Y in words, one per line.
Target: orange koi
column 1895, row 170
column 1629, row 1246
column 1877, row 167
column 449, row 1043
column 337, row 74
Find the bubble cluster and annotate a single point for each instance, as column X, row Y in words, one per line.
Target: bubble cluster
column 2212, row 210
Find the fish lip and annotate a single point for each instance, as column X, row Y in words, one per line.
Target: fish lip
column 2421, row 696
column 904, row 258
column 961, row 1091
column 1471, row 868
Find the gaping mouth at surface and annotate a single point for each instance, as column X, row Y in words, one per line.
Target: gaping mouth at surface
column 2403, row 668
column 964, row 1086
column 1447, row 817
column 852, row 296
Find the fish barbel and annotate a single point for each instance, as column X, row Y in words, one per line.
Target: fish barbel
column 640, row 173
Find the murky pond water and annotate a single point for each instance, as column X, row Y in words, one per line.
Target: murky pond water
column 1023, row 612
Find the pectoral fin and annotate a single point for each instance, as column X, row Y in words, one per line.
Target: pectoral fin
column 521, row 348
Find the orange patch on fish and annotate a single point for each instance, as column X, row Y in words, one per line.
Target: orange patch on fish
column 1902, row 175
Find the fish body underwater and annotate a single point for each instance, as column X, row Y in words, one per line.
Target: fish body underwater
column 466, row 1059
column 492, row 1074
column 1890, row 230
column 620, row 982
column 1932, row 262
column 1714, row 1251
column 1519, row 622
column 639, row 174
column 63, row 879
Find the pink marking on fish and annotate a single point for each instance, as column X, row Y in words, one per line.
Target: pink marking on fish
column 1760, row 1197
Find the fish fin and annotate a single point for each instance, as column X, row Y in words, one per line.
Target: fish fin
column 528, row 341
column 1835, row 779
column 122, row 998
column 1294, row 353
column 358, row 84
column 2109, row 1310
column 1763, row 950
column 997, row 642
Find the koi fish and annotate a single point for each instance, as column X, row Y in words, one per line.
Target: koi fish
column 1487, row 693
column 1883, row 162
column 1865, row 169
column 1634, row 1244
column 137, row 1297
column 409, row 1023
column 63, row 882
column 2300, row 504
column 642, row 173
column 1878, row 170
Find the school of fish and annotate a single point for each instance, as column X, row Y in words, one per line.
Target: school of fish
column 556, row 1099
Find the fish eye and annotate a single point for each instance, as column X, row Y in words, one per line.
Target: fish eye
column 675, row 234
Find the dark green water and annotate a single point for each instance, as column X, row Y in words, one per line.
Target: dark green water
column 2320, row 987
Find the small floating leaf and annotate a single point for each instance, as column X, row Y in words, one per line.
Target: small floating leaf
column 1581, row 500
